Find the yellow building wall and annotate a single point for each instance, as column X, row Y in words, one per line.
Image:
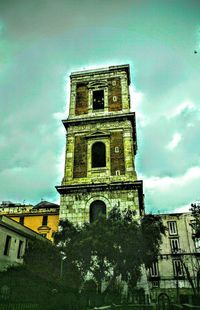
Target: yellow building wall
column 34, row 222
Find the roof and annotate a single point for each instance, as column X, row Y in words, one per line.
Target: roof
column 46, row 205
column 124, row 67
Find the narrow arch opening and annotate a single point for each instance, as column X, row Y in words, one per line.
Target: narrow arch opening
column 97, row 208
column 98, row 155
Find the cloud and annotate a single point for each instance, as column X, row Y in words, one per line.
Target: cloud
column 174, row 142
column 185, row 106
column 170, row 193
column 43, row 41
column 183, row 209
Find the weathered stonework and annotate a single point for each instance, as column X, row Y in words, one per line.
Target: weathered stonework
column 112, row 125
column 78, row 205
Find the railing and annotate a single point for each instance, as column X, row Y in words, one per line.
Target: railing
column 124, row 307
column 12, row 306
column 185, row 307
column 27, row 211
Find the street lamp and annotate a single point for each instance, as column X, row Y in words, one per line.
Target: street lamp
column 63, row 257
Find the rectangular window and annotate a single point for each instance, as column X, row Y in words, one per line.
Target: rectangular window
column 155, row 283
column 172, row 226
column 19, row 253
column 98, row 99
column 175, row 246
column 197, row 244
column 21, row 220
column 154, row 270
column 7, row 245
column 45, row 220
column 178, row 269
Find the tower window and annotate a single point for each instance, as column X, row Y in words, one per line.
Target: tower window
column 98, row 155
column 98, row 99
column 44, row 220
column 97, row 208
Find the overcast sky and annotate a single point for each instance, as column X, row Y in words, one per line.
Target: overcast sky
column 42, row 41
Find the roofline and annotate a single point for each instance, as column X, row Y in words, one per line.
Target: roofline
column 173, row 214
column 125, row 67
column 23, row 214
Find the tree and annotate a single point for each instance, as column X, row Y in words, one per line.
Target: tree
column 195, row 210
column 39, row 280
column 112, row 248
column 43, row 259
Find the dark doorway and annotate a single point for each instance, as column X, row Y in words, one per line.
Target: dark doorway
column 163, row 302
column 97, row 208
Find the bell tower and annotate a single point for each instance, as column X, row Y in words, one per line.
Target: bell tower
column 101, row 146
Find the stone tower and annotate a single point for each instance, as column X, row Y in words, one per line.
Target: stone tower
column 101, row 146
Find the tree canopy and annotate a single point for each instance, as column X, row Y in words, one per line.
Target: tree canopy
column 112, row 248
column 195, row 209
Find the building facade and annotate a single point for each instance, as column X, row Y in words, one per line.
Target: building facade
column 43, row 218
column 178, row 262
column 13, row 241
column 101, row 146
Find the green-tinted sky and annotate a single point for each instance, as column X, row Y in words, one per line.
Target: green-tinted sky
column 42, row 41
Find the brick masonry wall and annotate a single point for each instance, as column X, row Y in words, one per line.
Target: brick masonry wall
column 115, row 133
column 80, row 157
column 119, row 135
column 114, row 94
column 81, row 99
column 81, row 93
column 117, row 158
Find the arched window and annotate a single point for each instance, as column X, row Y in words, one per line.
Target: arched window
column 98, row 155
column 97, row 208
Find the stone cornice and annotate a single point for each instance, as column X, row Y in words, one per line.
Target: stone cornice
column 77, row 121
column 81, row 188
column 106, row 70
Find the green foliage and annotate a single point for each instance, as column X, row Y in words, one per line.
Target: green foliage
column 43, row 259
column 26, row 286
column 152, row 230
column 113, row 247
